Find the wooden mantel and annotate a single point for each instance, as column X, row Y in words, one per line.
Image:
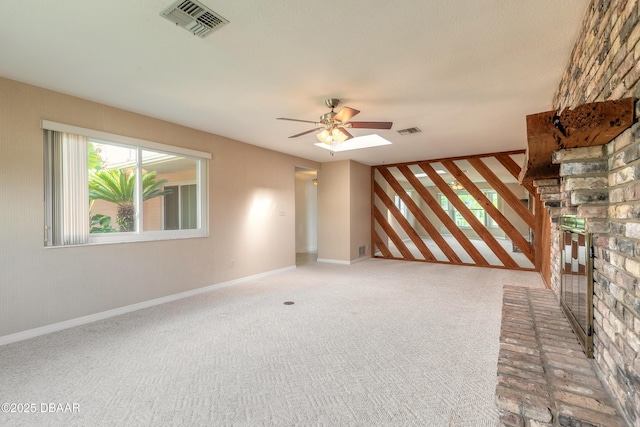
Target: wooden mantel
column 596, row 123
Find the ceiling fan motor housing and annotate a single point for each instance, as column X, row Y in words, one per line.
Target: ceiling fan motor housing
column 332, row 103
column 327, row 118
column 329, row 123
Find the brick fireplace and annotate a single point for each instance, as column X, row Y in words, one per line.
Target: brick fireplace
column 576, row 279
column 601, row 185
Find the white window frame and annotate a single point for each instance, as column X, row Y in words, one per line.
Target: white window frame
column 488, row 222
column 202, row 179
column 178, row 184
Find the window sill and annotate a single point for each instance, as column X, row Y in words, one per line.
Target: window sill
column 100, row 241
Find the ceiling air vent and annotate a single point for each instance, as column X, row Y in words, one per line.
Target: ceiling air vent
column 194, row 17
column 409, row 131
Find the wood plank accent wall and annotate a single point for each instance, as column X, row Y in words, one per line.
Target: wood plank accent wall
column 417, row 216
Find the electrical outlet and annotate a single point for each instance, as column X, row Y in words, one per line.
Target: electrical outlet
column 232, row 263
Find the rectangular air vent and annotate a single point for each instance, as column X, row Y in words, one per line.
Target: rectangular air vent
column 194, row 17
column 409, row 131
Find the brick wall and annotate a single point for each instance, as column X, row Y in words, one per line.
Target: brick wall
column 605, row 61
column 602, row 184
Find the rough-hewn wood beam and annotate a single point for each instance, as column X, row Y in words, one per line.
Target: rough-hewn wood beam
column 586, row 125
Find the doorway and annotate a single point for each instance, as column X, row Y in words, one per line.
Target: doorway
column 306, row 194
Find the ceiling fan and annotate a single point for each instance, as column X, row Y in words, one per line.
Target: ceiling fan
column 332, row 126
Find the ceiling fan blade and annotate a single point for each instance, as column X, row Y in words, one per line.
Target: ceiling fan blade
column 345, row 114
column 371, row 125
column 344, row 131
column 304, row 133
column 295, row 120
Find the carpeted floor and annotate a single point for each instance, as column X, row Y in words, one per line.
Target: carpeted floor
column 372, row 344
column 482, row 247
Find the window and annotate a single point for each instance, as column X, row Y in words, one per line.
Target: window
column 402, row 207
column 103, row 188
column 473, row 205
column 180, row 207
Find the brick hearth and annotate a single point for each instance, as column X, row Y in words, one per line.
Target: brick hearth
column 544, row 378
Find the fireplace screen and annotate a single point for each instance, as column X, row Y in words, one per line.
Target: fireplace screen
column 576, row 291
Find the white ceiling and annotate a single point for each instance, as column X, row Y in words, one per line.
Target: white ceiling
column 466, row 72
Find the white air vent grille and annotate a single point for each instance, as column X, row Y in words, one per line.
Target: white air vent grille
column 409, row 131
column 194, row 17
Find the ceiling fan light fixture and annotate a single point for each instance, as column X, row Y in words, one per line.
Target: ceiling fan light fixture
column 456, row 186
column 355, row 143
column 332, row 136
column 333, row 126
column 323, row 136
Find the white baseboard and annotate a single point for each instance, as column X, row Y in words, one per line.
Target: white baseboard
column 31, row 333
column 333, row 261
column 339, row 261
column 362, row 258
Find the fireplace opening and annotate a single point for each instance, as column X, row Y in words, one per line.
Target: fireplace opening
column 576, row 284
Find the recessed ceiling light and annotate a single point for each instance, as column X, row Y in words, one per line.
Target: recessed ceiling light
column 441, row 172
column 420, row 175
column 356, row 143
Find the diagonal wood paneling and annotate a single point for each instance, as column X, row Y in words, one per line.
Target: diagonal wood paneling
column 377, row 241
column 432, row 218
column 490, row 209
column 408, row 228
column 420, row 217
column 514, row 169
column 511, row 199
column 444, row 217
column 474, row 223
column 391, row 233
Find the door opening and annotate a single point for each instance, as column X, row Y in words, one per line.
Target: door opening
column 306, row 185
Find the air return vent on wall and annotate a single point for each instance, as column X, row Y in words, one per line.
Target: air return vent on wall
column 194, row 17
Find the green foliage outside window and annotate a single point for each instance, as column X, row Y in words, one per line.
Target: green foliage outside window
column 472, row 204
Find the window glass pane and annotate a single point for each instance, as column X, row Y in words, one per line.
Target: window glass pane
column 134, row 193
column 493, row 197
column 111, row 187
column 402, row 207
column 168, row 205
column 188, row 207
column 444, row 202
column 172, row 208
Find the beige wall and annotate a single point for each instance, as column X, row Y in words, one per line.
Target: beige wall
column 360, row 213
column 334, row 211
column 344, row 210
column 249, row 189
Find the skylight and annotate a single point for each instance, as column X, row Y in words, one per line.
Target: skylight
column 356, row 143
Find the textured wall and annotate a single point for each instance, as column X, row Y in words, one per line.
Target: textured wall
column 360, row 233
column 334, row 209
column 344, row 200
column 605, row 65
column 249, row 188
column 605, row 62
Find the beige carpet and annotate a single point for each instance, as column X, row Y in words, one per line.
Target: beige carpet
column 372, row 344
column 479, row 244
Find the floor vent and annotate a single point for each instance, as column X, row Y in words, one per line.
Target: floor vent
column 194, row 17
column 409, row 131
